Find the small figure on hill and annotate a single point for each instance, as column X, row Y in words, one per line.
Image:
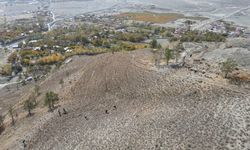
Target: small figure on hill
column 59, row 112
column 106, row 111
column 24, row 144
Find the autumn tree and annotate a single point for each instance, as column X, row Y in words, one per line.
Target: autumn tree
column 12, row 57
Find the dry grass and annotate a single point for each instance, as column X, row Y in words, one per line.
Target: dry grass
column 241, row 76
column 152, row 17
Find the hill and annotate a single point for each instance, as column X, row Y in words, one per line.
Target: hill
column 122, row 101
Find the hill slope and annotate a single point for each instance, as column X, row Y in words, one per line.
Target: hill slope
column 121, row 101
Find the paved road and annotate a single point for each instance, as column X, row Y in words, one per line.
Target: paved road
column 207, row 22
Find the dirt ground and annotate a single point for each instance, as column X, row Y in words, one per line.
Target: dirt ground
column 123, row 101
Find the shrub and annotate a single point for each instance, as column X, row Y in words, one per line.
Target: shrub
column 228, row 67
column 6, row 70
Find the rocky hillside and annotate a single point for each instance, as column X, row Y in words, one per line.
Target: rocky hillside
column 122, row 101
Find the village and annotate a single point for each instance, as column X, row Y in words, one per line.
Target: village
column 89, row 34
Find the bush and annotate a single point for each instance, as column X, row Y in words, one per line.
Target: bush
column 228, row 67
column 132, row 37
column 6, row 70
column 195, row 36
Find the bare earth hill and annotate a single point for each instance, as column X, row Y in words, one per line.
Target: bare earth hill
column 122, row 101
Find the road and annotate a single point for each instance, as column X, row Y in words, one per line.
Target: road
column 51, row 24
column 207, row 22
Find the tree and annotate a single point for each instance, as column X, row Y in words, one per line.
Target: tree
column 168, row 55
column 1, row 120
column 154, row 43
column 50, row 99
column 29, row 105
column 176, row 55
column 228, row 66
column 36, row 90
column 1, row 123
column 114, row 49
column 61, row 82
column 11, row 113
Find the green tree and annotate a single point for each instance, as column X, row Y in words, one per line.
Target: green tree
column 176, row 55
column 50, row 99
column 61, row 82
column 1, row 120
column 228, row 66
column 168, row 55
column 36, row 90
column 154, row 43
column 11, row 113
column 1, row 123
column 29, row 105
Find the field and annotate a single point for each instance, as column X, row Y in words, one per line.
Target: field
column 152, row 17
column 156, row 17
